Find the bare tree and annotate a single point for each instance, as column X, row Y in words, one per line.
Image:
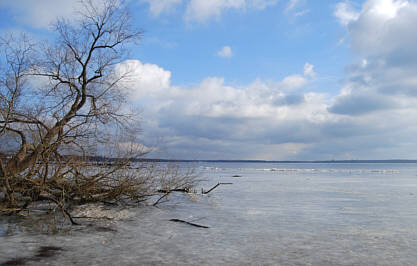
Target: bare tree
column 63, row 100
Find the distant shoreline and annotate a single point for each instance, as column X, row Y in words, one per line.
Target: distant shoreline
column 162, row 160
column 266, row 161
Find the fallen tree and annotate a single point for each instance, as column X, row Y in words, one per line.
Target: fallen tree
column 63, row 103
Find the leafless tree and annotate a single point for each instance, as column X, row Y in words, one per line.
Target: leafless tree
column 62, row 103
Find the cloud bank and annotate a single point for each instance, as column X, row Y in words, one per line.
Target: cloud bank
column 372, row 117
column 225, row 117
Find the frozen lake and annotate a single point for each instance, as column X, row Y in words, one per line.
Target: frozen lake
column 272, row 214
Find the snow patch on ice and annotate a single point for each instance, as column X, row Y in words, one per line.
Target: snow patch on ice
column 99, row 211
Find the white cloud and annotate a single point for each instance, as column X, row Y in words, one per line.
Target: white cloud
column 297, row 81
column 203, row 10
column 41, row 13
column 346, row 13
column 144, row 80
column 385, row 8
column 381, row 10
column 379, row 98
column 261, row 4
column 225, row 52
column 291, row 5
column 384, row 44
column 212, row 97
column 215, row 114
column 309, row 70
column 295, row 8
column 383, row 27
column 293, row 82
column 157, row 7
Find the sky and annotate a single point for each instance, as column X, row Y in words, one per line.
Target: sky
column 265, row 79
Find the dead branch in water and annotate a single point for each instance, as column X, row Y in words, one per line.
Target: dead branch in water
column 218, row 184
column 185, row 190
column 192, row 224
column 160, row 198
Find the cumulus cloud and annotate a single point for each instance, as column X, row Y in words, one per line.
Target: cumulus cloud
column 211, row 117
column 382, row 27
column 382, row 40
column 346, row 13
column 264, row 119
column 360, row 103
column 297, row 81
column 225, row 52
column 156, row 7
column 385, row 8
column 293, row 82
column 243, row 115
column 309, row 70
column 144, row 80
column 378, row 101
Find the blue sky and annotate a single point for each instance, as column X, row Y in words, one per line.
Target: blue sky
column 265, row 79
column 272, row 39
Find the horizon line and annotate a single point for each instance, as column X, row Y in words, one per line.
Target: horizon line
column 284, row 161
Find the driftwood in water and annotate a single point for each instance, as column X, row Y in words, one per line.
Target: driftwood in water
column 185, row 190
column 185, row 222
column 211, row 189
column 168, row 191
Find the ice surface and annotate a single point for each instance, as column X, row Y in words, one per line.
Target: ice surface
column 334, row 215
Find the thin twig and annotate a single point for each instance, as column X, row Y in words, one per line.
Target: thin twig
column 166, row 194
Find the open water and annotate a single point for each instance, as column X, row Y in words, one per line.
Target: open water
column 271, row 214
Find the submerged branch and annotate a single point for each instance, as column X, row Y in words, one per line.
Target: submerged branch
column 185, row 222
column 214, row 187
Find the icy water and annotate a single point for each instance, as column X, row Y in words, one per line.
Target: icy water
column 272, row 214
